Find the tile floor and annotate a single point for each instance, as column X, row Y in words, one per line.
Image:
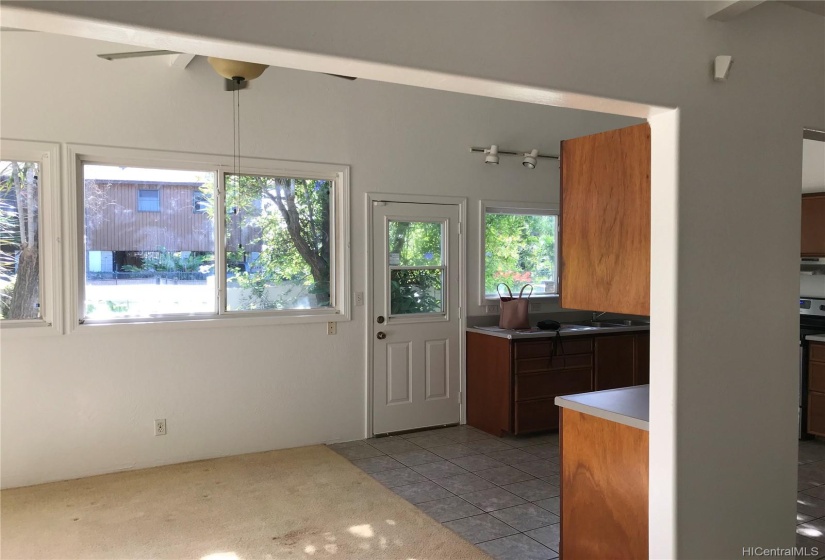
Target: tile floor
column 502, row 494
column 810, row 503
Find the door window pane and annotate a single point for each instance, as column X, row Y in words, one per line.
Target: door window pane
column 19, row 240
column 416, row 291
column 414, row 243
column 278, row 240
column 142, row 262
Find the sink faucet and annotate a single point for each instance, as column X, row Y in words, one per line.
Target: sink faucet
column 596, row 315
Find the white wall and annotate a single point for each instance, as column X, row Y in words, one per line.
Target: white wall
column 228, row 390
column 732, row 418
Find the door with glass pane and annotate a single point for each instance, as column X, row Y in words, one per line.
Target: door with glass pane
column 415, row 321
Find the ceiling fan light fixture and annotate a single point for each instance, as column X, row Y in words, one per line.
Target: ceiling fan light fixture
column 236, row 70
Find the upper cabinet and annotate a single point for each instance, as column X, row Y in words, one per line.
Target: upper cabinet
column 813, row 225
column 605, row 221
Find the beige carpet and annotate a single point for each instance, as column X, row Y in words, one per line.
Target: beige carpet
column 307, row 503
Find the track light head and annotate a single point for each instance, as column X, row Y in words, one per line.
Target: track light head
column 492, row 155
column 530, row 159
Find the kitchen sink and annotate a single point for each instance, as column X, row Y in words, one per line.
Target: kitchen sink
column 614, row 323
column 596, row 324
column 575, row 327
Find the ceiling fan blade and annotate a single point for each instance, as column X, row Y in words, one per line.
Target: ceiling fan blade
column 134, row 54
column 233, row 85
column 341, row 76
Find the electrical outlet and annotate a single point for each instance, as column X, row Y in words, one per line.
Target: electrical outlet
column 332, row 327
column 359, row 299
column 160, row 427
column 492, row 309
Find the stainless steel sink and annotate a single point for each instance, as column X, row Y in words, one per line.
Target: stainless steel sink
column 613, row 323
column 575, row 327
column 596, row 324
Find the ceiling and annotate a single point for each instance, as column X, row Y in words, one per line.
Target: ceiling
column 813, row 6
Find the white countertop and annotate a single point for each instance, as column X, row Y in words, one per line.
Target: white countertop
column 537, row 333
column 629, row 405
column 816, row 337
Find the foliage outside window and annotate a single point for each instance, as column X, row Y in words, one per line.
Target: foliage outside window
column 416, row 267
column 274, row 251
column 278, row 242
column 519, row 249
column 20, row 267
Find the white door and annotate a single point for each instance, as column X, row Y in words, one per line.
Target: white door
column 416, row 328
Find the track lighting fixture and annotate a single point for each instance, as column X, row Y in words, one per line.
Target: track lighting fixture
column 492, row 155
column 530, row 159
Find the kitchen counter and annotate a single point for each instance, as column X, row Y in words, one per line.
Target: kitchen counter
column 605, row 457
column 629, row 406
column 538, row 333
column 813, row 337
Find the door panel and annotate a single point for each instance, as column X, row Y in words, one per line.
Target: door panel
column 416, row 293
column 438, row 369
column 399, row 373
column 605, row 221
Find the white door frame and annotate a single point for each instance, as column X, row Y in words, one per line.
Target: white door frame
column 369, row 328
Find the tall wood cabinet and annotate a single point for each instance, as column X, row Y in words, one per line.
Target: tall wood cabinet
column 512, row 383
column 605, row 221
column 813, row 225
column 816, row 388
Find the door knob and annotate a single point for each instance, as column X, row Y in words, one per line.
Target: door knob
column 381, row 335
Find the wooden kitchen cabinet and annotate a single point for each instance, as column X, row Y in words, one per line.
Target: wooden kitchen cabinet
column 605, row 221
column 813, row 225
column 511, row 383
column 621, row 360
column 816, row 388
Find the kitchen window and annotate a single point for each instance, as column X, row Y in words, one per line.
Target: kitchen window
column 518, row 247
column 279, row 254
column 29, row 256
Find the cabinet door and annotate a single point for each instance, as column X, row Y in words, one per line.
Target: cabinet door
column 605, row 221
column 615, row 361
column 489, row 383
column 813, row 225
column 642, row 373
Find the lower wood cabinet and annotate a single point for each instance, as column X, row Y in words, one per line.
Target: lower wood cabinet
column 816, row 388
column 621, row 360
column 511, row 383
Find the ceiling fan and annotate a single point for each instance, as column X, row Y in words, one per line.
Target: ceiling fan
column 236, row 73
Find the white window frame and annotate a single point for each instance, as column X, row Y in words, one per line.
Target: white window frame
column 78, row 155
column 47, row 154
column 525, row 208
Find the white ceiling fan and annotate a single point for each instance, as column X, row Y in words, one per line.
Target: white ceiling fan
column 236, row 73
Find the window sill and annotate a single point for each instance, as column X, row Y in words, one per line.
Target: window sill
column 27, row 328
column 206, row 322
